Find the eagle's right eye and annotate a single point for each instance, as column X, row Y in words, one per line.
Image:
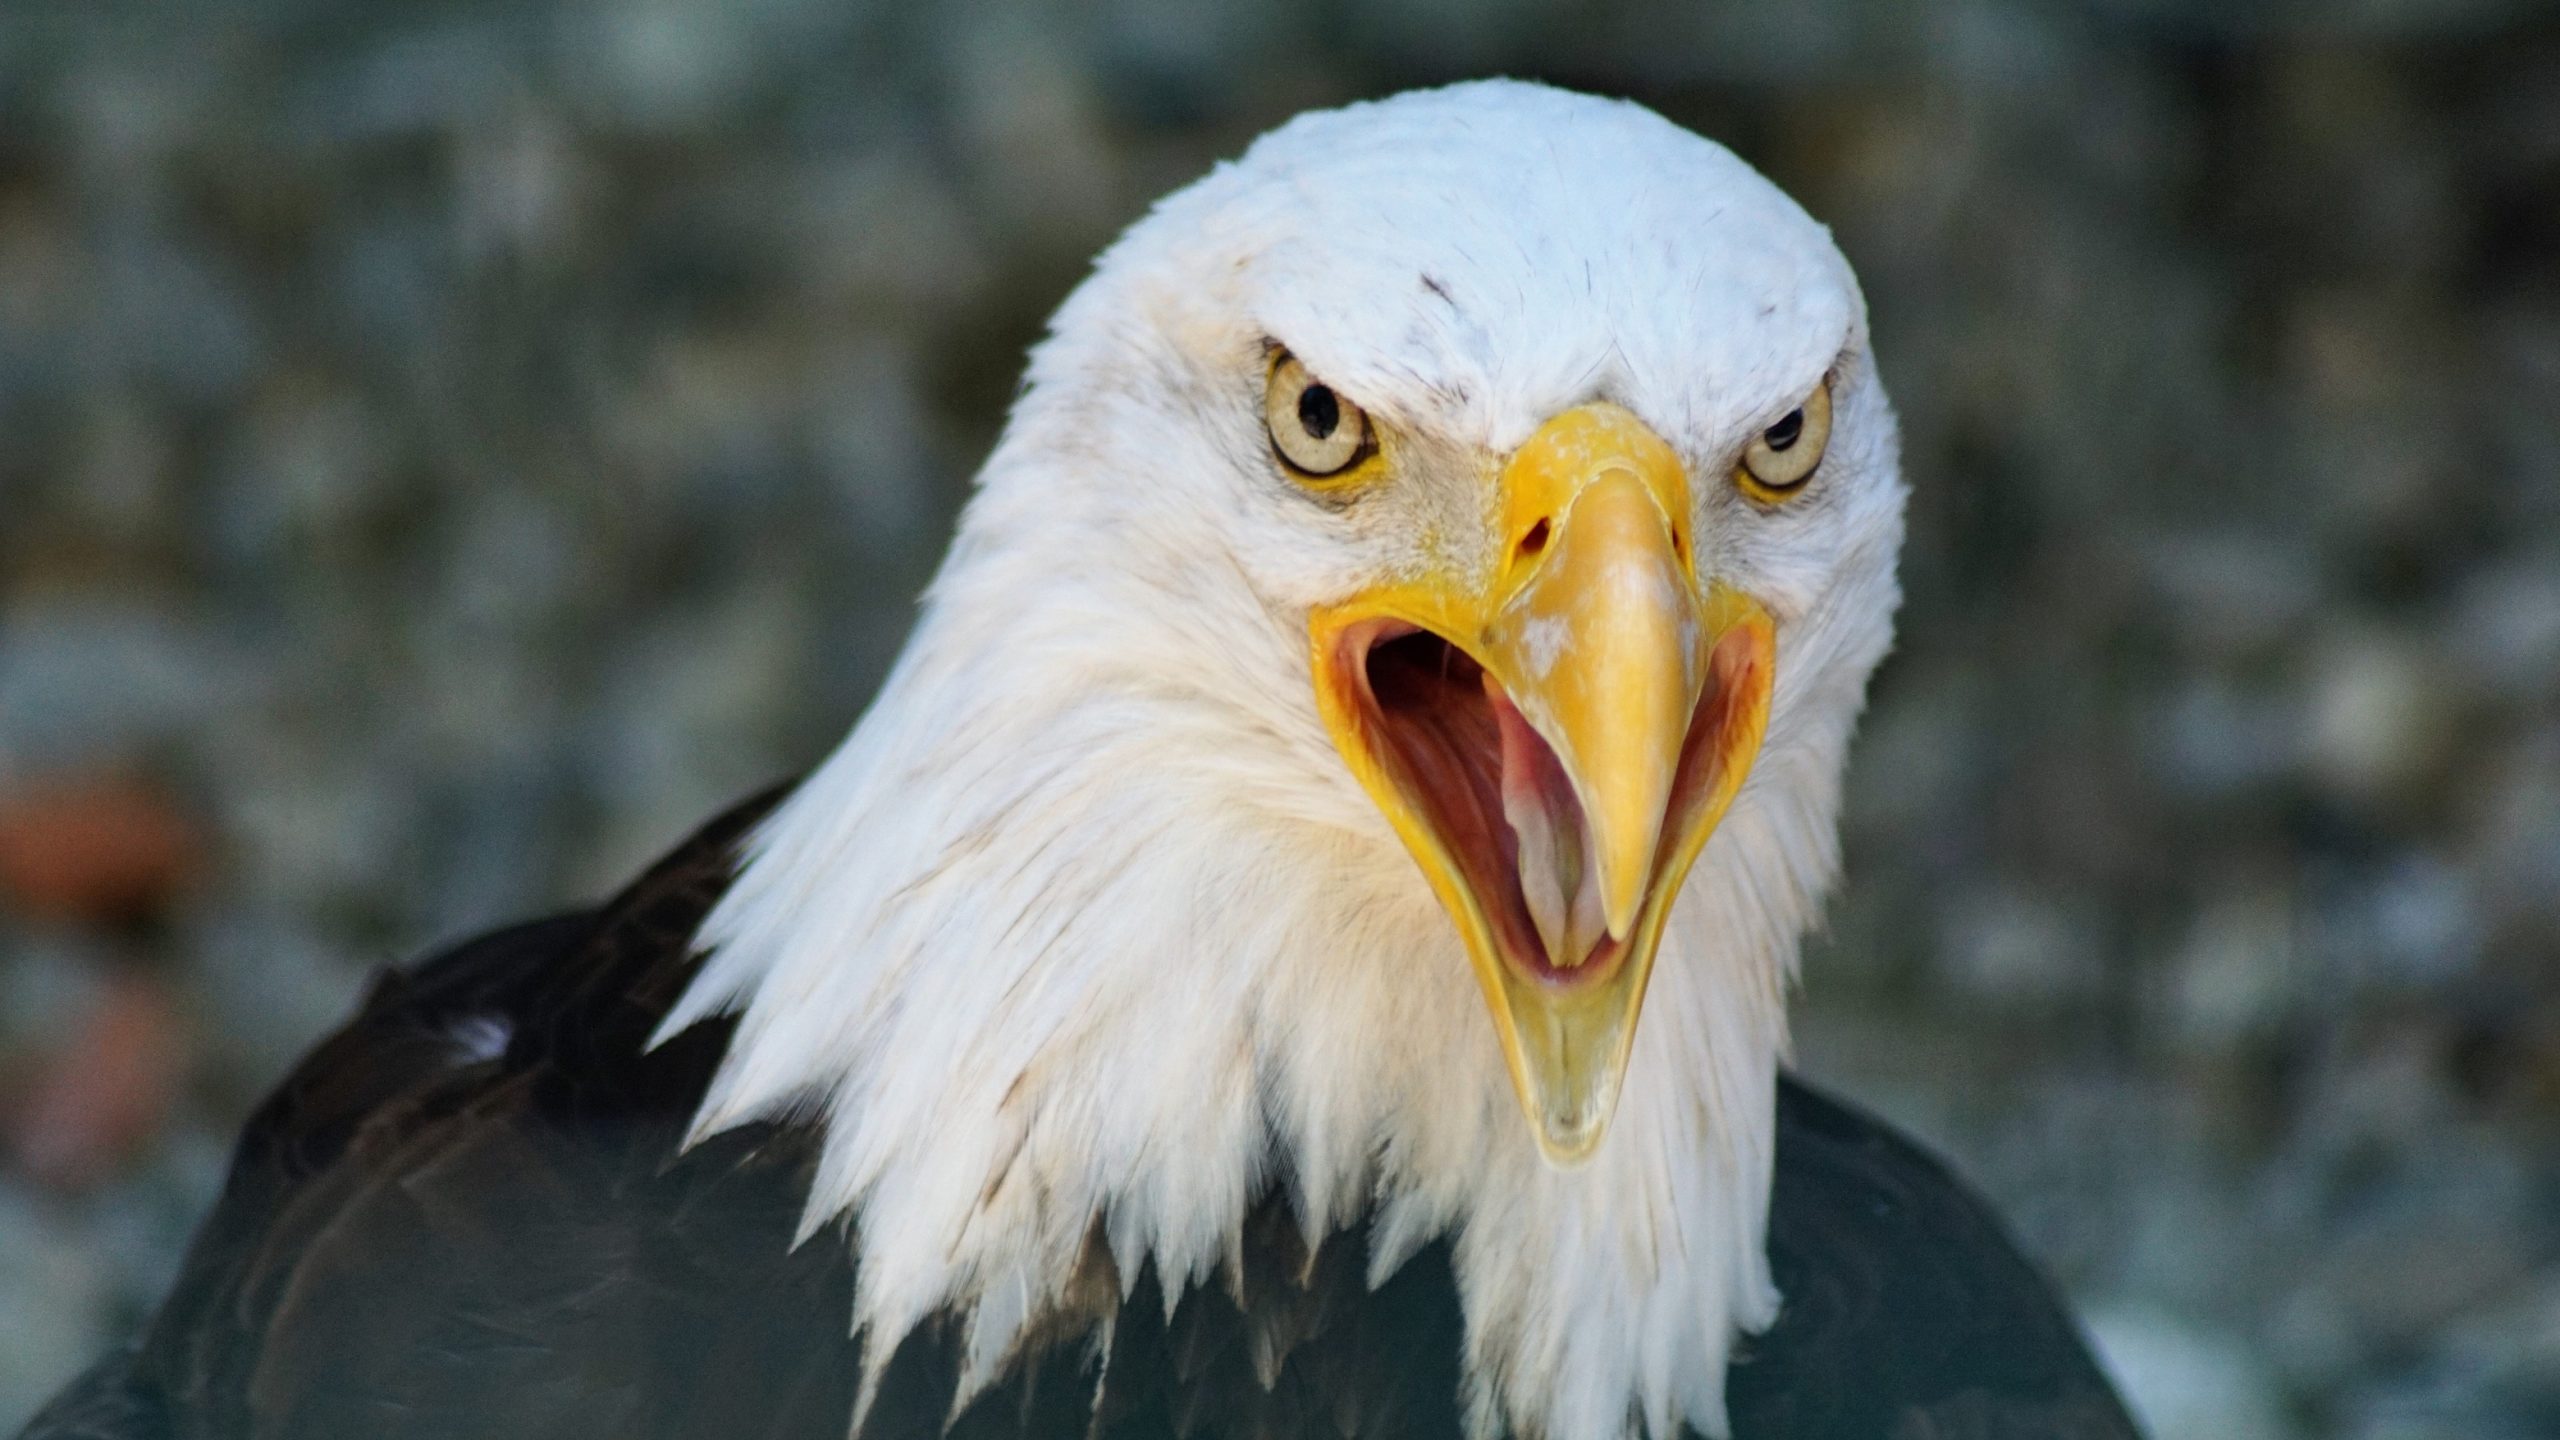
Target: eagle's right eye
column 1315, row 432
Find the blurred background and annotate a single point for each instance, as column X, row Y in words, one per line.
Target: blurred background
column 448, row 447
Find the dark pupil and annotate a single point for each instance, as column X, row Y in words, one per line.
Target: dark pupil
column 1318, row 411
column 1784, row 433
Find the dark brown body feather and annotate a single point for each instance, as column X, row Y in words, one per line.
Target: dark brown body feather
column 425, row 1235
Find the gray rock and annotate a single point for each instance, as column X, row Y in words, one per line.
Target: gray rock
column 54, row 1298
column 2381, row 719
column 2185, row 1379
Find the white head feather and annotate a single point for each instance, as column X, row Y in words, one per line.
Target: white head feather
column 1088, row 918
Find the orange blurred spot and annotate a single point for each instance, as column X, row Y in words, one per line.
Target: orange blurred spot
column 99, row 849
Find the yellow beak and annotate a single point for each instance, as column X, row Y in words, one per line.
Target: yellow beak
column 1554, row 733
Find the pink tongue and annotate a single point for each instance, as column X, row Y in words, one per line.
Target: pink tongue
column 1552, row 854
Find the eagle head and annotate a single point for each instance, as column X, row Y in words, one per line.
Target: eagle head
column 1392, row 679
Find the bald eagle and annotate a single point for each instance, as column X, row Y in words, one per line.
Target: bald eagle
column 1297, row 947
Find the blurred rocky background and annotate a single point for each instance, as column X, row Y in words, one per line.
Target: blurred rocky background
column 449, row 446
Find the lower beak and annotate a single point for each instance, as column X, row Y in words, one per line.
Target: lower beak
column 1554, row 739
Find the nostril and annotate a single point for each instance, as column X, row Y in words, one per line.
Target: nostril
column 1533, row 543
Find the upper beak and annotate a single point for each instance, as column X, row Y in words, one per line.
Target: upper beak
column 1554, row 733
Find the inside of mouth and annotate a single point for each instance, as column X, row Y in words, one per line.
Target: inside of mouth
column 1453, row 743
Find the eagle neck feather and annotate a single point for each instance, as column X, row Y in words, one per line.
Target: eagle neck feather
column 1085, row 924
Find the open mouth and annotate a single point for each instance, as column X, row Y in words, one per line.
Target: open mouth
column 1554, row 737
column 1498, row 801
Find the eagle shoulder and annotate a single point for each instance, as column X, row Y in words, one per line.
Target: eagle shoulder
column 1908, row 1312
column 469, row 1212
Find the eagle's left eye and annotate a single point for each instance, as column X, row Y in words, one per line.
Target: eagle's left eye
column 1316, row 432
column 1781, row 458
